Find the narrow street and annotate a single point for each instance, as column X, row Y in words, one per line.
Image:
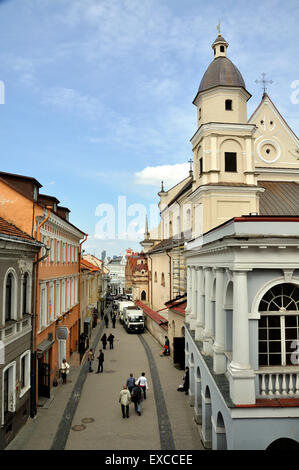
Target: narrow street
column 86, row 415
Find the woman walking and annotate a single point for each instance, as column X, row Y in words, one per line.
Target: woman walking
column 64, row 369
column 104, row 340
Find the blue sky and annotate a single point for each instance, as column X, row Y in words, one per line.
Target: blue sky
column 97, row 91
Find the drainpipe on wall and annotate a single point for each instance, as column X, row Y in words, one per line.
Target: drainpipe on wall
column 79, row 287
column 33, row 405
column 170, row 283
column 151, row 280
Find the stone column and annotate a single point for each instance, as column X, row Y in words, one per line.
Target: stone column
column 193, row 297
column 219, row 362
column 241, row 376
column 208, row 327
column 200, row 306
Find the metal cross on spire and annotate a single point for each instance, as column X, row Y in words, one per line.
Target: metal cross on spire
column 218, row 28
column 264, row 82
column 191, row 162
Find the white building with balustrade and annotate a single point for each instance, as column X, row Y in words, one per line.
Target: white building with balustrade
column 242, row 332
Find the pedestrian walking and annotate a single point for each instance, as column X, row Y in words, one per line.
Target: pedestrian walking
column 101, row 361
column 125, row 400
column 90, row 359
column 110, row 340
column 142, row 381
column 113, row 320
column 111, row 313
column 106, row 319
column 130, row 382
column 64, row 369
column 137, row 397
column 104, row 340
column 102, row 313
column 166, row 351
column 185, row 386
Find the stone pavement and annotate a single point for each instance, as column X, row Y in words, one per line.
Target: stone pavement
column 166, row 421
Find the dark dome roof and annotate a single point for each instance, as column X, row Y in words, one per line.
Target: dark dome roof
column 221, row 72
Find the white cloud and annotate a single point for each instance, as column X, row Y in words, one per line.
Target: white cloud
column 169, row 174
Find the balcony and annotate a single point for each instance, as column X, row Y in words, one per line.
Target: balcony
column 278, row 382
column 15, row 328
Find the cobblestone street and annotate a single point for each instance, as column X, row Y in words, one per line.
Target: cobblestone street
column 86, row 415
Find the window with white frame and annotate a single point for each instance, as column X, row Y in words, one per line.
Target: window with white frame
column 43, row 306
column 57, row 303
column 63, row 296
column 25, row 372
column 10, row 287
column 52, row 254
column 26, row 294
column 72, row 253
column 9, row 391
column 51, row 301
column 68, row 252
column 68, row 294
column 278, row 325
column 57, row 251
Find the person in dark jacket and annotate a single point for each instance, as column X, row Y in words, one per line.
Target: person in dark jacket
column 110, row 340
column 101, row 361
column 130, row 383
column 104, row 340
column 106, row 319
column 137, row 397
column 185, row 387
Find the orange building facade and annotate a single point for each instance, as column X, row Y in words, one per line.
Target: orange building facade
column 56, row 322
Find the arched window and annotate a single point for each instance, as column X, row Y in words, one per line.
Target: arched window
column 25, row 293
column 279, row 325
column 170, row 229
column 162, row 279
column 156, row 277
column 143, row 295
column 10, row 288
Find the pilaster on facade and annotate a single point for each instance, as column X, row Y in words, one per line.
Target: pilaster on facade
column 199, row 326
column 241, row 375
column 208, row 326
column 219, row 359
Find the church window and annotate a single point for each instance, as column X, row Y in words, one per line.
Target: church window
column 199, row 113
column 228, row 105
column 262, row 122
column 222, row 49
column 230, row 161
column 271, row 123
column 162, row 280
column 279, row 325
column 156, row 277
column 200, row 166
column 143, row 295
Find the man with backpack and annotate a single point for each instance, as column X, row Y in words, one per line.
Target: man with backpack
column 137, row 397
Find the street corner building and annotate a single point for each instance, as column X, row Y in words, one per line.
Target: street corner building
column 52, row 301
column 17, row 276
column 242, row 314
column 224, row 267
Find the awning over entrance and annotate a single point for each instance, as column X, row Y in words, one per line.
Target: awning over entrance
column 44, row 346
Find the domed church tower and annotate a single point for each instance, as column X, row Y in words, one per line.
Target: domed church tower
column 224, row 182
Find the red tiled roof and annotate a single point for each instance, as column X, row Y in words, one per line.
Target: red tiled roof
column 86, row 264
column 152, row 314
column 179, row 308
column 6, row 228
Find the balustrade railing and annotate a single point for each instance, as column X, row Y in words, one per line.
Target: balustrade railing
column 278, row 383
column 11, row 329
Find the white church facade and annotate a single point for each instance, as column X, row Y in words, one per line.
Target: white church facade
column 242, row 315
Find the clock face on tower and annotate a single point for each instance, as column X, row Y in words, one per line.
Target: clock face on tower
column 268, row 150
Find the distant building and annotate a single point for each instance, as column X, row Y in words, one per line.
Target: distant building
column 136, row 274
column 103, row 255
column 117, row 267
